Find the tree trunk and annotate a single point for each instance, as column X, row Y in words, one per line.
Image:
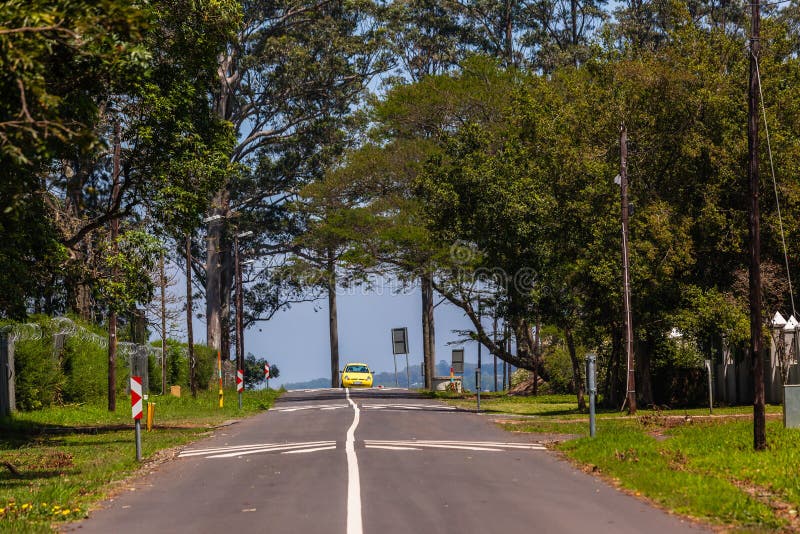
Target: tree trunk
column 226, row 292
column 333, row 324
column 576, row 369
column 644, row 380
column 612, row 395
column 163, row 283
column 214, row 271
column 428, row 332
column 189, row 307
column 112, row 316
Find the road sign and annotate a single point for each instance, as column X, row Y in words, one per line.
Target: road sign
column 400, row 340
column 136, row 397
column 239, row 380
column 266, row 370
column 458, row 361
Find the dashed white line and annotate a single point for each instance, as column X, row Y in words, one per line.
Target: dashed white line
column 243, row 450
column 488, row 446
column 354, row 525
column 303, row 451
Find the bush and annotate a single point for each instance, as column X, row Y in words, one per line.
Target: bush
column 85, row 367
column 39, row 381
column 519, row 376
column 558, row 369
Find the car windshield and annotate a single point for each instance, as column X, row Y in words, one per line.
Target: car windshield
column 357, row 369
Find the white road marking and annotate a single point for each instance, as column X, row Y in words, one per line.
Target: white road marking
column 392, row 448
column 408, row 407
column 302, row 451
column 309, row 407
column 354, row 525
column 459, row 445
column 229, row 452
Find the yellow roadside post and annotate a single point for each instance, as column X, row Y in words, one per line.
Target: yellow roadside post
column 151, row 415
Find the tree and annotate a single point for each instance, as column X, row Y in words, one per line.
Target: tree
column 254, row 371
column 286, row 81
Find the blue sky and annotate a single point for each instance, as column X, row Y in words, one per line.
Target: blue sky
column 297, row 339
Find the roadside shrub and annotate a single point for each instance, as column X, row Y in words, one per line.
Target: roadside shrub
column 85, row 368
column 519, row 376
column 206, row 365
column 558, row 369
column 39, row 380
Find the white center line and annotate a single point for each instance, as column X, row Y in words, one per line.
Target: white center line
column 353, row 481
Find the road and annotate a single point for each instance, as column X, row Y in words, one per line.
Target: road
column 371, row 461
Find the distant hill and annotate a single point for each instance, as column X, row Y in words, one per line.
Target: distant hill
column 387, row 379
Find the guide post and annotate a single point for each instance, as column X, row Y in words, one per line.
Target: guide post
column 591, row 360
column 136, row 412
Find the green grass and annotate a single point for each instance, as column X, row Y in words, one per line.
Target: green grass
column 682, row 460
column 70, row 457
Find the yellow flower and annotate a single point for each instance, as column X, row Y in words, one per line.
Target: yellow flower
column 56, row 507
column 26, row 506
column 2, row 510
column 65, row 512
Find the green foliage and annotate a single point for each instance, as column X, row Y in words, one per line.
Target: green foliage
column 85, row 367
column 254, row 371
column 39, row 380
column 128, row 281
column 558, row 370
column 519, row 376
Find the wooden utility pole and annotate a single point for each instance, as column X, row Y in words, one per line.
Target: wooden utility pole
column 239, row 323
column 163, row 324
column 630, row 396
column 189, row 307
column 333, row 322
column 112, row 314
column 428, row 333
column 756, row 334
column 494, row 340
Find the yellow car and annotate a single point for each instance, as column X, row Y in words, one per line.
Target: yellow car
column 356, row 375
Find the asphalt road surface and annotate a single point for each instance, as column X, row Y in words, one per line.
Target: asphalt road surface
column 374, row 461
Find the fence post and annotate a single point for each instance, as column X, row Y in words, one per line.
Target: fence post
column 8, row 397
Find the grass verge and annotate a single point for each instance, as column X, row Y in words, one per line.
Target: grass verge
column 68, row 458
column 686, row 461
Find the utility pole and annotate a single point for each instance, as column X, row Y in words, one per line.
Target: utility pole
column 494, row 339
column 239, row 306
column 478, row 371
column 759, row 422
column 163, row 324
column 112, row 314
column 626, row 284
column 189, row 331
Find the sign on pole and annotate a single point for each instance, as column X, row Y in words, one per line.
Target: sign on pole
column 458, row 361
column 136, row 412
column 400, row 340
column 266, row 370
column 136, row 397
column 239, row 380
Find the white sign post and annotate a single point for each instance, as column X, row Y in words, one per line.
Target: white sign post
column 266, row 373
column 136, row 412
column 240, row 385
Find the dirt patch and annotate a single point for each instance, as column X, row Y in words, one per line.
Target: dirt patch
column 780, row 508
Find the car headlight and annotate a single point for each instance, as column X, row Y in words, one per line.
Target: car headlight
column 346, row 377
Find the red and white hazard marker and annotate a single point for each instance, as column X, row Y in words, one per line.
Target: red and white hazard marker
column 136, row 397
column 239, row 380
column 266, row 370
